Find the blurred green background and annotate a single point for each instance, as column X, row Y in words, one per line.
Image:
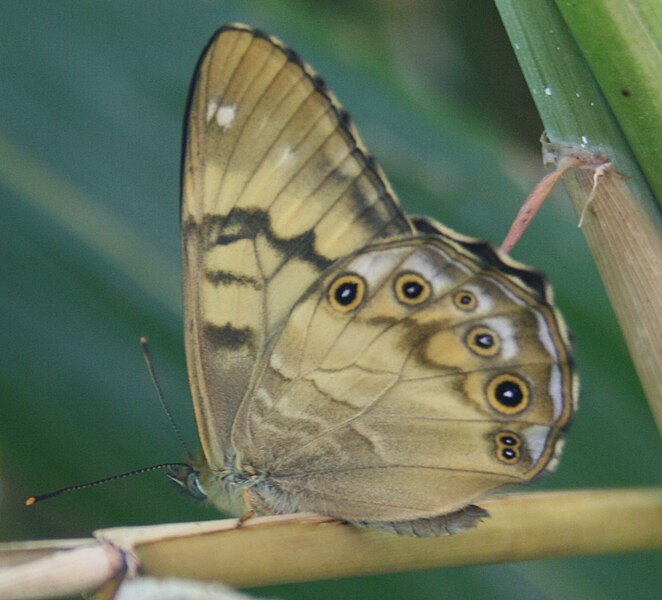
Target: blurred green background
column 92, row 97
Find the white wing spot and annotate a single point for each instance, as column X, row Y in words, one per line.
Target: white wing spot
column 225, row 115
column 545, row 337
column 507, row 334
column 286, row 156
column 212, row 107
column 556, row 390
column 375, row 266
column 536, row 440
column 485, row 303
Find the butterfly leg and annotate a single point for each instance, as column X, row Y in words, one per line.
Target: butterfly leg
column 530, row 207
column 568, row 158
column 250, row 511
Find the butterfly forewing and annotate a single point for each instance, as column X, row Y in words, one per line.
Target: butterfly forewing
column 276, row 187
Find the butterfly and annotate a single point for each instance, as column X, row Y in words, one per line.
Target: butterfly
column 345, row 358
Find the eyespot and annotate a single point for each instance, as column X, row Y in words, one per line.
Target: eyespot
column 483, row 341
column 508, row 394
column 508, row 447
column 411, row 288
column 347, row 292
column 465, row 300
column 508, row 439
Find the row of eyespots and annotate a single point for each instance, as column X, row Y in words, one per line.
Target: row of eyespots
column 508, row 394
column 508, row 447
column 348, row 291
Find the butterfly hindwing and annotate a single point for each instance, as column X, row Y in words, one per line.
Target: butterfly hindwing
column 444, row 381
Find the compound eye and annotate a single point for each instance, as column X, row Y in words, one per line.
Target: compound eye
column 411, row 289
column 347, row 292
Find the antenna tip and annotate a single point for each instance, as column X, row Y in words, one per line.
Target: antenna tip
column 143, row 340
column 30, row 501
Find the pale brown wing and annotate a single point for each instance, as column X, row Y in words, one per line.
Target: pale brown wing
column 276, row 187
column 415, row 377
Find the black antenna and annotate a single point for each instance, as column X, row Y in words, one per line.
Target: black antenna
column 71, row 488
column 144, row 343
column 81, row 486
